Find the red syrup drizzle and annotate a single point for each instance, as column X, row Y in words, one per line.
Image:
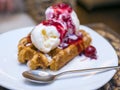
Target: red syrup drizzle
column 29, row 38
column 58, row 26
column 78, row 45
column 62, row 13
column 71, row 39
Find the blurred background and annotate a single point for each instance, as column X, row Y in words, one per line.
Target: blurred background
column 22, row 13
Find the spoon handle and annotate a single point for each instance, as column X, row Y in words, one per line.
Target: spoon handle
column 90, row 70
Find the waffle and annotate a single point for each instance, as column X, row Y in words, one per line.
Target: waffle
column 55, row 59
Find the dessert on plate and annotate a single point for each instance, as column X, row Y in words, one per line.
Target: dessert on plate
column 55, row 41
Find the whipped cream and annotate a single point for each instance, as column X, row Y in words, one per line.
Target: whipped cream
column 45, row 38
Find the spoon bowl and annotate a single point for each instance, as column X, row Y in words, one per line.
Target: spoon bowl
column 39, row 76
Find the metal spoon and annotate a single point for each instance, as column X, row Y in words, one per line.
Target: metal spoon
column 45, row 77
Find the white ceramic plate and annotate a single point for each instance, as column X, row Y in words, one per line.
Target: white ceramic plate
column 11, row 70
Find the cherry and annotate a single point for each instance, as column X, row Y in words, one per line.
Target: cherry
column 90, row 51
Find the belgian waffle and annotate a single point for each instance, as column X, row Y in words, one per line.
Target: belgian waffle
column 27, row 53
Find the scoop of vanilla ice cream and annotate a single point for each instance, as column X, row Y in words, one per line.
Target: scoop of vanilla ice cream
column 45, row 38
column 75, row 20
column 56, row 13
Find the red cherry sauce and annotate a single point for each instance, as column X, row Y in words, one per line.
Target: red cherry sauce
column 90, row 51
column 58, row 26
column 71, row 39
column 29, row 38
column 62, row 13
